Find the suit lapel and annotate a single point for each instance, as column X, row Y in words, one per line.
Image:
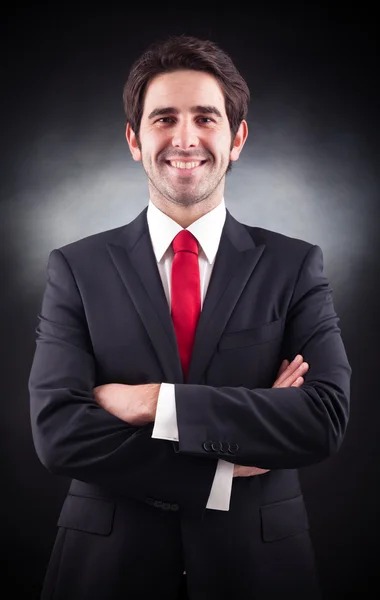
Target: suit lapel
column 235, row 261
column 135, row 261
column 133, row 257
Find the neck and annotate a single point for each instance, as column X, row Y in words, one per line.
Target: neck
column 185, row 215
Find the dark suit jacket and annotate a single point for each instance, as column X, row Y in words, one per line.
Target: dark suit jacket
column 135, row 514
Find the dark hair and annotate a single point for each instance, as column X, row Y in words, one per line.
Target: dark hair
column 179, row 53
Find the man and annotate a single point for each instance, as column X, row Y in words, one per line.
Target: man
column 186, row 366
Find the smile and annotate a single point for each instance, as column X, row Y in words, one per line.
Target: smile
column 185, row 166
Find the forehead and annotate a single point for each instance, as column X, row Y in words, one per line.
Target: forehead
column 182, row 90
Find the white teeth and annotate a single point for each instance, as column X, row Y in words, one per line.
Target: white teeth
column 184, row 165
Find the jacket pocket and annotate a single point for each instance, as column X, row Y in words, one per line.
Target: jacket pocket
column 93, row 515
column 250, row 337
column 283, row 519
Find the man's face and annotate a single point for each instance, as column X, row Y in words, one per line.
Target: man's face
column 185, row 139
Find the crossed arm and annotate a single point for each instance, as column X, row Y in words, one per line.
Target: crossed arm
column 137, row 404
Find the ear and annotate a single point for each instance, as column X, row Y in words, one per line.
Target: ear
column 133, row 143
column 239, row 141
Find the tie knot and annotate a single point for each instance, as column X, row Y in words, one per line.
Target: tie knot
column 184, row 241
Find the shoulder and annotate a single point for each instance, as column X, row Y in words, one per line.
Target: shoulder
column 278, row 243
column 91, row 243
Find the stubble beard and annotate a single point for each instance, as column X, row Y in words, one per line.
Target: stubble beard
column 167, row 193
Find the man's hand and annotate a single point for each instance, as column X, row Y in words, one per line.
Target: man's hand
column 134, row 404
column 289, row 375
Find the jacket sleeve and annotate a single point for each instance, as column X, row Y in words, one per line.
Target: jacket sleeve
column 279, row 428
column 73, row 435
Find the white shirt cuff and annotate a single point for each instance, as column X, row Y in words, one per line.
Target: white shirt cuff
column 166, row 428
column 220, row 495
column 165, row 425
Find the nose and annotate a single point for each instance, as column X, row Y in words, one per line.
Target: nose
column 185, row 136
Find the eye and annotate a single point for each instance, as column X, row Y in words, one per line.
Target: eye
column 165, row 120
column 205, row 119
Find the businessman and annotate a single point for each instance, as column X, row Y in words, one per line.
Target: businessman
column 186, row 366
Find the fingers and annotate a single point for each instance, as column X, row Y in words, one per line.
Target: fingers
column 298, row 382
column 292, row 374
column 240, row 471
column 290, row 369
column 296, row 379
column 284, row 365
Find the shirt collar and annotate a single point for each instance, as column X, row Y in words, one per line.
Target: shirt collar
column 207, row 230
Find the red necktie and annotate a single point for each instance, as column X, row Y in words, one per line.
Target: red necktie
column 185, row 294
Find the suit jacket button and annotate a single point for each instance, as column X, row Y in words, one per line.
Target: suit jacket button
column 166, row 506
column 232, row 449
column 224, row 447
column 174, row 507
column 207, row 446
column 216, row 446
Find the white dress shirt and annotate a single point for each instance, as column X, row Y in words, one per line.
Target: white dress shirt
column 207, row 230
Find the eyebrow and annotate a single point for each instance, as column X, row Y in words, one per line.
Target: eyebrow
column 205, row 110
